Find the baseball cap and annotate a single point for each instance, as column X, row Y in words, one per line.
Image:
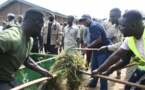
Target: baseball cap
column 84, row 17
column 52, row 14
column 11, row 14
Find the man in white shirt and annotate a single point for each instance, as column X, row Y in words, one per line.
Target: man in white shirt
column 132, row 27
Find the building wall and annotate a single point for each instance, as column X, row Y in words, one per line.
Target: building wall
column 19, row 8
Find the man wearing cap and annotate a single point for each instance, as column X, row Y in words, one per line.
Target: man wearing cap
column 98, row 38
column 10, row 22
column 51, row 35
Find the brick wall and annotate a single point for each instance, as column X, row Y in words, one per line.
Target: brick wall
column 19, row 9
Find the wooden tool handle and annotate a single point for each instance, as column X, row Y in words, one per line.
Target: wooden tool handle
column 130, row 65
column 116, row 80
column 90, row 49
column 32, row 83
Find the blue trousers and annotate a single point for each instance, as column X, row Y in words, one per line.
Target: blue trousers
column 137, row 77
column 97, row 61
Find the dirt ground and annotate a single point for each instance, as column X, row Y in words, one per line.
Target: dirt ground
column 111, row 85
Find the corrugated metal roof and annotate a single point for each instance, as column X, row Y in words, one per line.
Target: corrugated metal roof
column 5, row 4
column 8, row 2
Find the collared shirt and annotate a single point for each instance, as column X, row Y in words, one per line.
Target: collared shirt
column 10, row 24
column 71, row 34
column 117, row 35
column 55, row 32
column 96, row 31
column 16, row 48
column 114, row 34
column 113, row 31
column 109, row 27
column 117, row 39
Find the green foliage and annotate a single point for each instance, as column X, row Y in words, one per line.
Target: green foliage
column 67, row 66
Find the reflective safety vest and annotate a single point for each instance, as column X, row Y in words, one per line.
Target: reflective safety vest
column 138, row 59
column 122, row 39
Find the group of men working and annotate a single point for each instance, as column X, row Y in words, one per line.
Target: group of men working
column 132, row 26
column 16, row 44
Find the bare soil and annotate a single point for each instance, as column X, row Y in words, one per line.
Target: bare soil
column 111, row 85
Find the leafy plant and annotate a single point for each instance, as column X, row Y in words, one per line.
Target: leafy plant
column 67, row 66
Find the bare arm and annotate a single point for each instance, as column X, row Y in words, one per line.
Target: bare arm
column 120, row 64
column 116, row 56
column 29, row 63
column 95, row 42
column 124, row 60
column 59, row 38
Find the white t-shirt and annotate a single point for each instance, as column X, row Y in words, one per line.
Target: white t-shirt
column 139, row 46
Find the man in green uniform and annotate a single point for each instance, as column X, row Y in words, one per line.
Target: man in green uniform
column 15, row 46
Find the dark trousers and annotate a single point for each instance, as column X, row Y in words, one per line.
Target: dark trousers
column 137, row 77
column 50, row 49
column 35, row 49
column 7, row 85
column 97, row 61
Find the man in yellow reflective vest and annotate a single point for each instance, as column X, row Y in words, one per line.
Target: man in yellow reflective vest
column 132, row 27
